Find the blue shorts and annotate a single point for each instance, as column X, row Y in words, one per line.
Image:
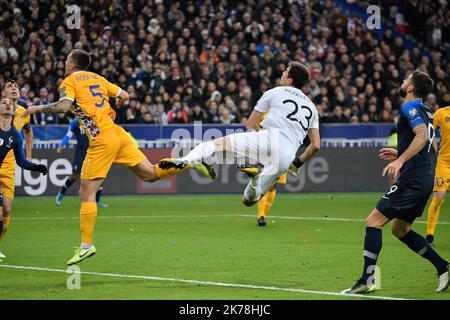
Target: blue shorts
column 407, row 198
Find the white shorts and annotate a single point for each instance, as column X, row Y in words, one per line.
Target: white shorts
column 268, row 147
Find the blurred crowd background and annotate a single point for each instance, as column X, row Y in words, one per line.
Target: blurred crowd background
column 210, row 61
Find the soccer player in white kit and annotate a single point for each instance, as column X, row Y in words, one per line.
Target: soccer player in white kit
column 291, row 116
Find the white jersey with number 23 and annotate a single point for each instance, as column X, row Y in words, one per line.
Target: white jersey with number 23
column 290, row 111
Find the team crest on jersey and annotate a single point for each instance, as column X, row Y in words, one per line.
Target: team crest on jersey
column 1, row 142
column 447, row 119
column 412, row 112
column 10, row 142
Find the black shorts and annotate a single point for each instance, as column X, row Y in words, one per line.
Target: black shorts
column 78, row 159
column 407, row 198
column 1, row 198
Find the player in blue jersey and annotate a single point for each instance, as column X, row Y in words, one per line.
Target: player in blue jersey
column 414, row 179
column 80, row 154
column 10, row 138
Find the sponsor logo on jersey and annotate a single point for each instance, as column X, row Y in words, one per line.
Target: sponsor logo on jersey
column 1, row 142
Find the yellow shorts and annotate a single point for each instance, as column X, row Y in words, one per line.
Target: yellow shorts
column 282, row 179
column 7, row 173
column 111, row 145
column 442, row 178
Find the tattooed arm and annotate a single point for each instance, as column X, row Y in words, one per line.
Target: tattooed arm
column 60, row 106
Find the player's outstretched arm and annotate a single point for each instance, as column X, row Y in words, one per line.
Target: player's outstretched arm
column 313, row 148
column 253, row 120
column 23, row 162
column 61, row 106
column 421, row 138
column 122, row 97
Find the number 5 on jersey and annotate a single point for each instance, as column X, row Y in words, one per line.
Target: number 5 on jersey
column 97, row 94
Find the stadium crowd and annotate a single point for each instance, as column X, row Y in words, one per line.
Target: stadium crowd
column 210, row 61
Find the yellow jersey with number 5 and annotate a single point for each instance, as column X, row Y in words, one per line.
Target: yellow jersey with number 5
column 90, row 95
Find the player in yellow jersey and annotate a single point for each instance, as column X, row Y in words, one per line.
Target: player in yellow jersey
column 265, row 203
column 442, row 175
column 11, row 90
column 86, row 95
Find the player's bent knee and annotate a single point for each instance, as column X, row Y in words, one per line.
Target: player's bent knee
column 370, row 222
column 6, row 207
column 248, row 203
column 400, row 228
column 6, row 211
column 399, row 232
column 221, row 144
column 440, row 195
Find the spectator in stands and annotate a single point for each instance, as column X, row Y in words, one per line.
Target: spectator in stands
column 42, row 118
column 198, row 114
column 338, row 116
column 177, row 115
column 160, row 115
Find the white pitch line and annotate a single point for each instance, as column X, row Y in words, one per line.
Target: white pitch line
column 210, row 216
column 207, row 283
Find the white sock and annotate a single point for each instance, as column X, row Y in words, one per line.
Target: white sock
column 85, row 246
column 252, row 192
column 202, row 151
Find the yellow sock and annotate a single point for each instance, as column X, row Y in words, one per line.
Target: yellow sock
column 262, row 206
column 433, row 214
column 270, row 199
column 88, row 215
column 6, row 221
column 166, row 173
column 265, row 203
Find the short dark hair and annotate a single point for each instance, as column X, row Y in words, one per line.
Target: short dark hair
column 81, row 59
column 299, row 73
column 6, row 82
column 422, row 83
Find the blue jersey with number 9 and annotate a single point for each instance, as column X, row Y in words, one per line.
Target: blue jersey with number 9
column 412, row 114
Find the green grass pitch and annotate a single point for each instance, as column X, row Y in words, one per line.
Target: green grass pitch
column 313, row 244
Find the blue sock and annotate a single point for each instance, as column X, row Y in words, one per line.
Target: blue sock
column 419, row 245
column 372, row 247
column 1, row 226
